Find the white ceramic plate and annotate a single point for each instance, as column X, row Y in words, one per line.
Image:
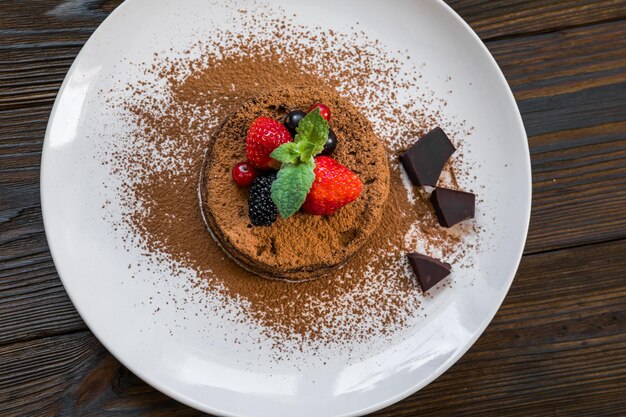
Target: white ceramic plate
column 208, row 376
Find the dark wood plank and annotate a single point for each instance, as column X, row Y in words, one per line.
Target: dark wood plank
column 33, row 302
column 50, row 15
column 564, row 62
column 570, row 88
column 505, row 18
column 557, row 347
column 490, row 18
column 38, row 305
column 38, row 44
column 579, row 195
column 35, row 75
column 73, row 375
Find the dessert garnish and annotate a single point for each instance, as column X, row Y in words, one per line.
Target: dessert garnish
column 425, row 160
column 423, row 163
column 321, row 184
column 264, row 136
column 296, row 174
column 429, row 271
column 292, row 120
column 452, row 206
column 261, row 208
column 317, row 184
column 324, row 110
column 331, row 143
column 334, row 187
column 243, row 174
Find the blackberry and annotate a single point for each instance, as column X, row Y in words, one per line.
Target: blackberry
column 261, row 208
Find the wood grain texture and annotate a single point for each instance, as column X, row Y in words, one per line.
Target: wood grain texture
column 33, row 302
column 556, row 347
column 565, row 62
column 571, row 89
column 511, row 18
column 73, row 375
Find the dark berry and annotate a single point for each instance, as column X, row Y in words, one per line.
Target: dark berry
column 331, row 143
column 292, row 120
column 261, row 208
column 243, row 174
column 324, row 110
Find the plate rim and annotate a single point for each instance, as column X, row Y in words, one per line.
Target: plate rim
column 184, row 399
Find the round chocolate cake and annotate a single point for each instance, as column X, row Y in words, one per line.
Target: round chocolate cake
column 303, row 246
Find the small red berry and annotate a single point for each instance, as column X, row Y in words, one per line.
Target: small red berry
column 265, row 135
column 324, row 110
column 243, row 174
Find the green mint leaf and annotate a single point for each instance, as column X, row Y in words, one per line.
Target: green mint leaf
column 291, row 186
column 311, row 135
column 287, row 153
column 296, row 175
column 306, row 150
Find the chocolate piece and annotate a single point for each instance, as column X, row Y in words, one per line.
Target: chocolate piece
column 452, row 206
column 424, row 161
column 429, row 271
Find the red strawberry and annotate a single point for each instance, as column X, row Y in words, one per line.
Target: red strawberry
column 265, row 135
column 334, row 187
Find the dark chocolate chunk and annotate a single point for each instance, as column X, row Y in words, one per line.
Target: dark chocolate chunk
column 429, row 271
column 452, row 206
column 424, row 161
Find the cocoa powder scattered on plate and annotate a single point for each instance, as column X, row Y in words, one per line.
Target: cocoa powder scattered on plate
column 173, row 112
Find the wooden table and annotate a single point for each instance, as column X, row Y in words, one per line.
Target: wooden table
column 556, row 347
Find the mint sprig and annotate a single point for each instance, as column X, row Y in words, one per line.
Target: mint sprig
column 292, row 184
column 296, row 174
column 312, row 132
column 287, row 153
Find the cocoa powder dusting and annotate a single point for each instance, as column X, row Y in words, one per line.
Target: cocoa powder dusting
column 174, row 111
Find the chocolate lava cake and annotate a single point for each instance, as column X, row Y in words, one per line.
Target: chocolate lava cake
column 303, row 246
